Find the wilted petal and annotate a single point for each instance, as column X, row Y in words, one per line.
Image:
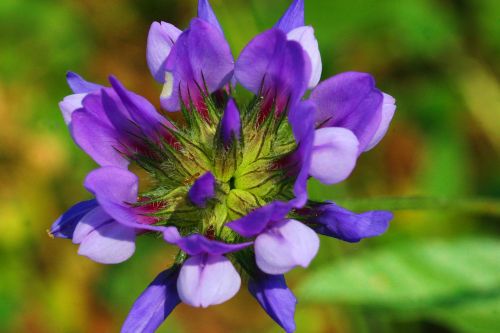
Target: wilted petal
column 79, row 85
column 256, row 221
column 65, row 225
column 388, row 110
column 205, row 12
column 70, row 104
column 275, row 298
column 200, row 59
column 207, row 280
column 284, row 246
column 305, row 37
column 352, row 101
column 202, row 190
column 230, row 123
column 335, row 221
column 334, row 154
column 293, row 17
column 154, row 305
column 162, row 36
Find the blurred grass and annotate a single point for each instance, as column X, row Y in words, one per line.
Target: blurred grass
column 439, row 58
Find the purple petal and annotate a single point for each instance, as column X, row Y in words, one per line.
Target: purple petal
column 79, row 85
column 200, row 58
column 301, row 119
column 334, row 154
column 293, row 17
column 388, row 110
column 197, row 244
column 65, row 225
column 161, row 38
column 207, row 280
column 335, row 221
column 69, row 105
column 257, row 221
column 202, row 190
column 140, row 111
column 284, row 246
column 93, row 220
column 205, row 12
column 110, row 243
column 275, row 67
column 305, row 37
column 97, row 138
column 154, row 305
column 230, row 124
column 352, row 101
column 275, row 298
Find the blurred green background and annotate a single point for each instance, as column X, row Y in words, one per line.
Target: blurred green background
column 436, row 270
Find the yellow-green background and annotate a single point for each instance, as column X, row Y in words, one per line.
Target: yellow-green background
column 434, row 271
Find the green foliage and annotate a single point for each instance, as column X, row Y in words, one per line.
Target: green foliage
column 456, row 281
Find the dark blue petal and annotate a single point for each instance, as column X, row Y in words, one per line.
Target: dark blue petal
column 154, row 305
column 66, row 223
column 230, row 124
column 258, row 220
column 205, row 12
column 293, row 17
column 79, row 85
column 275, row 298
column 202, row 190
column 335, row 221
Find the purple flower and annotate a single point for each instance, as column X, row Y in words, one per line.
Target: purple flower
column 228, row 185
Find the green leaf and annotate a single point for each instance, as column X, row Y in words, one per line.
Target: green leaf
column 456, row 282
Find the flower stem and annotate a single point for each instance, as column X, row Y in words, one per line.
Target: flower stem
column 480, row 206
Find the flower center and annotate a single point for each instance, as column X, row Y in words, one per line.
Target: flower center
column 249, row 171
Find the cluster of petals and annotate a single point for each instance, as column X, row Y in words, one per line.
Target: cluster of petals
column 342, row 118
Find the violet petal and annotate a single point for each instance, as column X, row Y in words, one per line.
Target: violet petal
column 161, row 38
column 65, row 225
column 154, row 304
column 206, row 280
column 284, row 246
column 293, row 17
column 202, row 190
column 275, row 298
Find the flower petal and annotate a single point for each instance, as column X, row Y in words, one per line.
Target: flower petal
column 335, row 221
column 154, row 305
column 334, row 154
column 284, row 246
column 161, row 38
column 69, row 105
column 301, row 119
column 276, row 68
column 352, row 101
column 90, row 222
column 205, row 12
column 202, row 190
column 293, row 17
column 230, row 124
column 200, row 59
column 207, row 280
column 388, row 110
column 275, row 298
column 97, row 137
column 256, row 221
column 65, row 225
column 197, row 244
column 79, row 85
column 112, row 243
column 305, row 37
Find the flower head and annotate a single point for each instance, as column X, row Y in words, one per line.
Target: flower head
column 230, row 181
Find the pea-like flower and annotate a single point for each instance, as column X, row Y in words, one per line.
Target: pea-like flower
column 230, row 180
